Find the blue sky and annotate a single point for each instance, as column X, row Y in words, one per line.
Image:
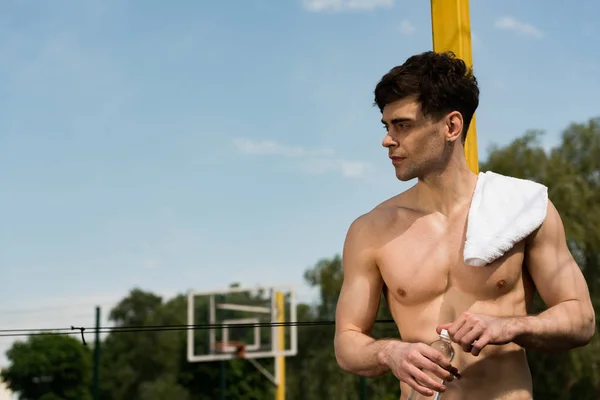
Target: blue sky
column 192, row 144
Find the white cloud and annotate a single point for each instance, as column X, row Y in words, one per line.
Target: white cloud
column 345, row 5
column 314, row 161
column 348, row 169
column 511, row 24
column 247, row 146
column 407, row 28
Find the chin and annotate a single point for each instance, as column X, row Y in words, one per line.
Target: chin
column 404, row 177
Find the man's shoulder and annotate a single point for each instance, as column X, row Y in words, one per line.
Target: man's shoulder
column 386, row 214
column 551, row 226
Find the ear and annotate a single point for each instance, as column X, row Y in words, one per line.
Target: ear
column 454, row 126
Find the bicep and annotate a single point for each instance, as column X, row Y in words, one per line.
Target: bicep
column 362, row 284
column 554, row 271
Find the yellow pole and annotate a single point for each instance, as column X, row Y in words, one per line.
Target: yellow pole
column 451, row 28
column 280, row 362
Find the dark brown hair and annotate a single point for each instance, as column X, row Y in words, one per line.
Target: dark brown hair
column 441, row 82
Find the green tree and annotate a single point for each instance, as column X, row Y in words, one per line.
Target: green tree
column 130, row 358
column 571, row 171
column 165, row 387
column 48, row 367
column 144, row 364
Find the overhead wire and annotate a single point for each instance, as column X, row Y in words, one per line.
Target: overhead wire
column 162, row 328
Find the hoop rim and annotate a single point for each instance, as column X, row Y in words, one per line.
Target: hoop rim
column 240, row 347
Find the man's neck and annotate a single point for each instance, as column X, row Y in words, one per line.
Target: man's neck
column 447, row 190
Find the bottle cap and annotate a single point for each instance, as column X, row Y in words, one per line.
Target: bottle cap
column 444, row 334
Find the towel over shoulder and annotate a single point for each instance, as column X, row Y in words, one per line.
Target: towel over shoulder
column 504, row 210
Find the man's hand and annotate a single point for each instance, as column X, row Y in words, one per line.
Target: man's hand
column 474, row 331
column 420, row 366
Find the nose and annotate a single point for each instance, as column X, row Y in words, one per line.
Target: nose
column 388, row 141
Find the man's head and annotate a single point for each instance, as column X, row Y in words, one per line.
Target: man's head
column 427, row 105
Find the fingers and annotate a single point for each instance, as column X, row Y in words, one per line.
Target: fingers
column 425, row 381
column 419, row 388
column 418, row 380
column 470, row 333
column 421, row 371
column 467, row 335
column 466, row 339
column 435, row 362
column 479, row 344
column 443, row 326
column 435, row 356
column 457, row 325
column 436, row 369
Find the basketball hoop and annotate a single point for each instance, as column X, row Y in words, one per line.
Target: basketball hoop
column 240, row 348
column 238, row 313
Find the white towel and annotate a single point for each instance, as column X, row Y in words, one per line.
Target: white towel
column 504, row 210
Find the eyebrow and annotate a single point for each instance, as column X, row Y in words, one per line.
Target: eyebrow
column 398, row 120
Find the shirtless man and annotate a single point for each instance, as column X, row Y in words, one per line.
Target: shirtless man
column 410, row 247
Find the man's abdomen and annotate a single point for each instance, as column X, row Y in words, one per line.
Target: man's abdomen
column 500, row 373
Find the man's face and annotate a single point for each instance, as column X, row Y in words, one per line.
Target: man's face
column 415, row 143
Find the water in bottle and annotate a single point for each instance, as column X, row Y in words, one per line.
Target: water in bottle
column 444, row 346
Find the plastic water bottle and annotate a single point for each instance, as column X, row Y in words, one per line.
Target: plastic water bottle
column 444, row 346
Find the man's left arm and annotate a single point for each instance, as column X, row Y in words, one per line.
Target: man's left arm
column 569, row 319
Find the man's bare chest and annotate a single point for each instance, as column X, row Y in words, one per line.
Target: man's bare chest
column 420, row 265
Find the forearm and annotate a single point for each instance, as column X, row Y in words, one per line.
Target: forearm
column 361, row 354
column 562, row 327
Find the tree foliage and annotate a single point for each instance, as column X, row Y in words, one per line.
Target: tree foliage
column 49, row 367
column 152, row 364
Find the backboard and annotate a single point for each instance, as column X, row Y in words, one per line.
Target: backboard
column 250, row 317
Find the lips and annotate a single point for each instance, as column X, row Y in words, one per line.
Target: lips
column 396, row 159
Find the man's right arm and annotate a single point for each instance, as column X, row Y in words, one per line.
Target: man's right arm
column 355, row 350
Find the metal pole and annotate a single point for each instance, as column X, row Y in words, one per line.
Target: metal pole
column 363, row 388
column 223, row 379
column 96, row 377
column 451, row 31
column 280, row 360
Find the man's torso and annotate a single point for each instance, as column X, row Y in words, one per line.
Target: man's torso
column 427, row 283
